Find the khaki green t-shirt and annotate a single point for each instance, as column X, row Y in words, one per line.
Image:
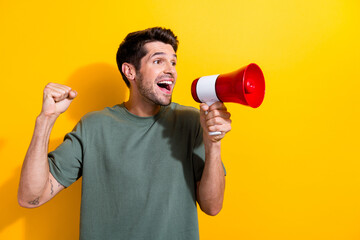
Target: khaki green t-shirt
column 138, row 174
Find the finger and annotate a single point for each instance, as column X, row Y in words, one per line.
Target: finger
column 59, row 92
column 54, row 95
column 224, row 128
column 57, row 95
column 204, row 107
column 72, row 94
column 50, row 92
column 219, row 125
column 59, row 86
column 218, row 113
column 217, row 117
column 60, row 89
column 217, row 105
column 217, row 138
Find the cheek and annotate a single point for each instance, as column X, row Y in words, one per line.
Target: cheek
column 152, row 72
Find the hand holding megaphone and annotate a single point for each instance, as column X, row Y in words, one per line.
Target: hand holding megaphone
column 245, row 86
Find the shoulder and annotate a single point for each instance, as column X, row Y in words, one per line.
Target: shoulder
column 183, row 115
column 186, row 120
column 101, row 116
column 186, row 111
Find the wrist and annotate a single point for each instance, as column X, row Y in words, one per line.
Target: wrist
column 45, row 122
column 46, row 118
column 211, row 146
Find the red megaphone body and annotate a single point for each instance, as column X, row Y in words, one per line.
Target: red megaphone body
column 245, row 86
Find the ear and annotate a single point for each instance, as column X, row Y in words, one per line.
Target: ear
column 129, row 71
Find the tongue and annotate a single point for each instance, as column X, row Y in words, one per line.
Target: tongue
column 164, row 86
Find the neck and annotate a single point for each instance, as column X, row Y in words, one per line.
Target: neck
column 140, row 107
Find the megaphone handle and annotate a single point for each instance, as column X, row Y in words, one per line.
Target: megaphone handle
column 211, row 133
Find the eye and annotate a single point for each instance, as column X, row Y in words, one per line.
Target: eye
column 157, row 61
column 173, row 63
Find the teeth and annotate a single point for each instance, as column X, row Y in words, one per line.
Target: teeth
column 165, row 82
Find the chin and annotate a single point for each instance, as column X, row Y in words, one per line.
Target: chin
column 165, row 103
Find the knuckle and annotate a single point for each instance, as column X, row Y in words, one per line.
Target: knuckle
column 46, row 89
column 213, row 128
column 216, row 112
column 209, row 122
column 228, row 129
column 218, row 120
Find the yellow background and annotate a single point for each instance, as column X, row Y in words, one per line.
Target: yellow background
column 293, row 164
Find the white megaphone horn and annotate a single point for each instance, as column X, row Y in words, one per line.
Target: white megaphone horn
column 245, row 86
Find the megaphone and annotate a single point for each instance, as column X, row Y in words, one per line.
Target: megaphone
column 245, row 86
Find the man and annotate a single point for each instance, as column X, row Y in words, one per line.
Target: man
column 144, row 163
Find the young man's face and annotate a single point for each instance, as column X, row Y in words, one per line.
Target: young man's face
column 157, row 75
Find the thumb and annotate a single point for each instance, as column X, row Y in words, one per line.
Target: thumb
column 204, row 107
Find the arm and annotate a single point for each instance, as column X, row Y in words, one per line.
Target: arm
column 211, row 187
column 37, row 185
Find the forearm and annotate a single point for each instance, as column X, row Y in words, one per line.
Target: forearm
column 35, row 170
column 212, row 185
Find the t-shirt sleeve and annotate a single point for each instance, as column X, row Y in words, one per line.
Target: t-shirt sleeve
column 198, row 155
column 65, row 162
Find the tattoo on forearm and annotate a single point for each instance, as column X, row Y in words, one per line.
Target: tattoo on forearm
column 52, row 187
column 35, row 201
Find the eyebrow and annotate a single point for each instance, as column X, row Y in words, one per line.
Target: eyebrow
column 161, row 53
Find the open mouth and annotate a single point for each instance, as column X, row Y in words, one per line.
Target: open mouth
column 165, row 86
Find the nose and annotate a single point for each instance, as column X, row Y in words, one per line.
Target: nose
column 170, row 69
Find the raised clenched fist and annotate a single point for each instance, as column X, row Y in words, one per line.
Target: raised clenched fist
column 57, row 99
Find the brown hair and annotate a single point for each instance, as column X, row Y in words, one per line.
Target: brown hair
column 132, row 49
